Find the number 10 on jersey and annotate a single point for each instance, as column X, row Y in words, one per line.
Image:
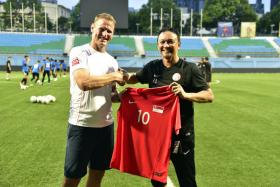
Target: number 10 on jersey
column 143, row 117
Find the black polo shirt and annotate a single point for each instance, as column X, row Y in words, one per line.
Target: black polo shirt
column 186, row 74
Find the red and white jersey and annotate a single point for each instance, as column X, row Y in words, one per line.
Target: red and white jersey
column 147, row 117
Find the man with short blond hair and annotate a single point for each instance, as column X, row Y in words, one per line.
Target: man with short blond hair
column 93, row 77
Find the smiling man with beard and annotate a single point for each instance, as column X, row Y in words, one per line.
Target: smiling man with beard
column 188, row 83
column 93, row 76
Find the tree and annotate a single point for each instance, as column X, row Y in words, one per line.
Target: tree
column 75, row 18
column 28, row 16
column 270, row 21
column 133, row 19
column 17, row 13
column 143, row 17
column 63, row 24
column 195, row 23
column 235, row 11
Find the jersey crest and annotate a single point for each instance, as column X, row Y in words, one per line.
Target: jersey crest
column 176, row 77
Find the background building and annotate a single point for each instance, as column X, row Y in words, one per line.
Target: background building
column 49, row 1
column 196, row 5
column 258, row 7
column 54, row 10
column 273, row 3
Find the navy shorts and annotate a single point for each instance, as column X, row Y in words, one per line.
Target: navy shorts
column 88, row 147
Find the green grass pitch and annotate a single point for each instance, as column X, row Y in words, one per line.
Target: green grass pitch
column 237, row 136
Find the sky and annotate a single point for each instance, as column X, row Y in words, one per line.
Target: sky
column 138, row 3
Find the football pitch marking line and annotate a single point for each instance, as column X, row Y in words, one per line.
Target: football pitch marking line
column 216, row 82
column 169, row 182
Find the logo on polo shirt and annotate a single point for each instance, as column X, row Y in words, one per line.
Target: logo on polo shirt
column 75, row 61
column 176, row 77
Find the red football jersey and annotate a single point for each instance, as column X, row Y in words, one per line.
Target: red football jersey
column 147, row 117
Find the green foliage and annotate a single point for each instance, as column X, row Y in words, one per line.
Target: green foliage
column 17, row 5
column 269, row 21
column 133, row 19
column 28, row 16
column 145, row 12
column 235, row 11
column 75, row 18
column 63, row 24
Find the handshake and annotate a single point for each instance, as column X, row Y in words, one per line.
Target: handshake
column 122, row 77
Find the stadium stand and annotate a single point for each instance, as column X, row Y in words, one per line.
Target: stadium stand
column 277, row 40
column 150, row 46
column 119, row 46
column 18, row 43
column 255, row 54
column 190, row 47
column 232, row 47
column 122, row 46
column 81, row 39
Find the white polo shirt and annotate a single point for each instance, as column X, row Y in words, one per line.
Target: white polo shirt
column 92, row 108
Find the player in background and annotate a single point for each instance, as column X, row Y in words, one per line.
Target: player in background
column 25, row 71
column 63, row 67
column 208, row 70
column 53, row 69
column 188, row 83
column 205, row 68
column 90, row 136
column 35, row 69
column 57, row 69
column 8, row 68
column 46, row 70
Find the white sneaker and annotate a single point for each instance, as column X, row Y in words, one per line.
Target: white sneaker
column 21, row 86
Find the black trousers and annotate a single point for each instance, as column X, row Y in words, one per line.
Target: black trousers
column 184, row 165
column 48, row 74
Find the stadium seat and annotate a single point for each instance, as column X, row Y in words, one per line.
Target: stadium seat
column 190, row 47
column 243, row 47
column 16, row 43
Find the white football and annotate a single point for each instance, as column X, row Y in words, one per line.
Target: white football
column 49, row 97
column 52, row 98
column 47, row 101
column 39, row 99
column 33, row 99
column 43, row 100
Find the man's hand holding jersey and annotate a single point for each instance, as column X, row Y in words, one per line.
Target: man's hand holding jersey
column 204, row 96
